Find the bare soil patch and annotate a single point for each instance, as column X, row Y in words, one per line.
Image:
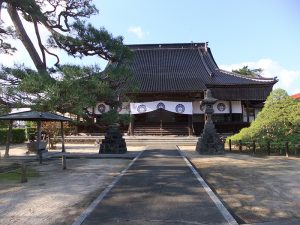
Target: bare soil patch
column 256, row 189
column 56, row 196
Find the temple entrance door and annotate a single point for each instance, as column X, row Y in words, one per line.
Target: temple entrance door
column 164, row 116
column 161, row 122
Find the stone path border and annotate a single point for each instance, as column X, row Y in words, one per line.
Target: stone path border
column 211, row 194
column 93, row 205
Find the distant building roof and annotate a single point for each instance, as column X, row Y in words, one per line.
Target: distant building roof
column 34, row 116
column 187, row 67
column 296, row 96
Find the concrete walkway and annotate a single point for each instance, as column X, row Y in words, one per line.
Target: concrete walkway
column 159, row 188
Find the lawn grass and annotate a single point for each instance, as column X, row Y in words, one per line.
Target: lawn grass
column 15, row 174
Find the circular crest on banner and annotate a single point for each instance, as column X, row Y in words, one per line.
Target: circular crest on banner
column 141, row 108
column 160, row 106
column 179, row 108
column 101, row 108
column 221, row 107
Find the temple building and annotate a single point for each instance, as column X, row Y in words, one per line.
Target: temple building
column 172, row 80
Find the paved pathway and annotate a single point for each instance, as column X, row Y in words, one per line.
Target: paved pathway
column 159, row 188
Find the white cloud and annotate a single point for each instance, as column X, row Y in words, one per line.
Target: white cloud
column 288, row 79
column 137, row 30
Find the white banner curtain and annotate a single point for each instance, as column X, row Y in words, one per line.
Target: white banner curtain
column 176, row 107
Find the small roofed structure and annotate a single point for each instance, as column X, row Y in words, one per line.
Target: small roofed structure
column 296, row 96
column 33, row 116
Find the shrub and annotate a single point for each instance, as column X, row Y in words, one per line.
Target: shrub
column 18, row 136
column 278, row 122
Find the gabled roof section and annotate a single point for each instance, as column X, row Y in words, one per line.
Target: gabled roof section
column 34, row 116
column 187, row 67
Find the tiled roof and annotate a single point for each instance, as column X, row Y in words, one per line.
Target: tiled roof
column 182, row 68
column 296, row 96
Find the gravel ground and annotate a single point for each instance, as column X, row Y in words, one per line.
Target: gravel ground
column 256, row 189
column 57, row 196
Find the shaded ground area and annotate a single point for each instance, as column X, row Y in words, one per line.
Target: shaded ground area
column 56, row 196
column 159, row 188
column 256, row 189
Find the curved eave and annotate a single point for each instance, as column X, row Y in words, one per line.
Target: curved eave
column 261, row 79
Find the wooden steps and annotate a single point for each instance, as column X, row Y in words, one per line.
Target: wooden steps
column 135, row 140
column 155, row 129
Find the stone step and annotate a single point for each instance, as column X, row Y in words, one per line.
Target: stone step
column 135, row 140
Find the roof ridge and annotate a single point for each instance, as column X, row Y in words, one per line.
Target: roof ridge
column 248, row 78
column 168, row 46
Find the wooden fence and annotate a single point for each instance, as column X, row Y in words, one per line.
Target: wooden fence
column 270, row 148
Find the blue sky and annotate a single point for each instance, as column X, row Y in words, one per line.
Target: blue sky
column 258, row 33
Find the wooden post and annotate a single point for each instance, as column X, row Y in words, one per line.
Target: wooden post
column 39, row 150
column 230, row 145
column 23, row 173
column 64, row 162
column 268, row 147
column 240, row 146
column 287, row 149
column 253, row 147
column 8, row 139
column 62, row 137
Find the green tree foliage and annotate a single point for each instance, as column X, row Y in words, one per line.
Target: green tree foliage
column 248, row 72
column 114, row 117
column 63, row 88
column 279, row 121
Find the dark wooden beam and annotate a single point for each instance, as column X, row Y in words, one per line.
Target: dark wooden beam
column 230, row 111
column 8, row 139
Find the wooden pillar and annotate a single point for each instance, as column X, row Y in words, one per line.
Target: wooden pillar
column 131, row 126
column 230, row 111
column 8, row 139
column 161, row 122
column 190, row 124
column 39, row 150
column 62, row 137
column 247, row 111
column 77, row 124
column 129, row 132
column 91, row 129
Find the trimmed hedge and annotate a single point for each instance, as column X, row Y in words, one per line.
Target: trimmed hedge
column 18, row 136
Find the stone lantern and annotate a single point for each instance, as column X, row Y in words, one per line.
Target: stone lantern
column 209, row 142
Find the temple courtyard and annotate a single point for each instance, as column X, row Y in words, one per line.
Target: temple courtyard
column 253, row 189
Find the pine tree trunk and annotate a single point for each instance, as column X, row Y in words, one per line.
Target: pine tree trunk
column 39, row 64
